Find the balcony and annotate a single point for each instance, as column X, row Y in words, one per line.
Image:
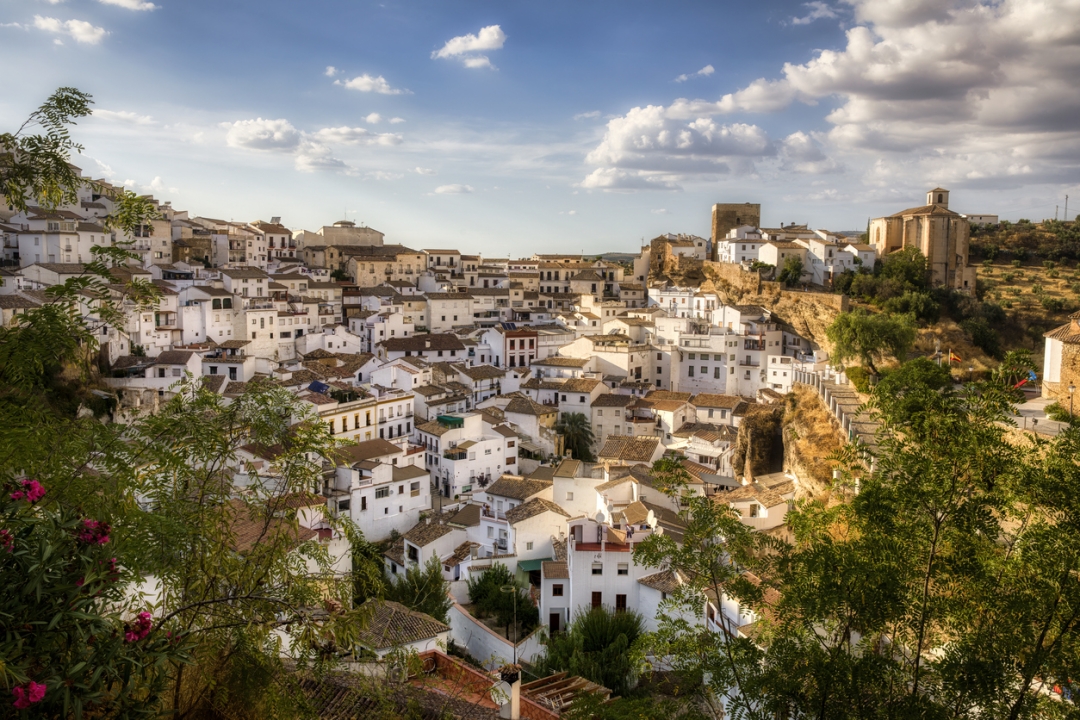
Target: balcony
column 492, row 514
column 455, row 454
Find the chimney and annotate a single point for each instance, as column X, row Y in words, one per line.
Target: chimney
column 511, row 675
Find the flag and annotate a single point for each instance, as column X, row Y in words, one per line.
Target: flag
column 954, row 358
column 1032, row 376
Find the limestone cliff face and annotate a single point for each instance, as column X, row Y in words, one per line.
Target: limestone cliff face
column 811, row 436
column 806, row 313
column 758, row 437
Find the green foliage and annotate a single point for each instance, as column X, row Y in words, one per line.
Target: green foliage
column 869, row 337
column 907, row 267
column 65, row 610
column 983, row 336
column 577, row 431
column 597, row 645
column 919, row 304
column 593, row 707
column 842, row 282
column 858, row 377
column 488, row 599
column 423, row 590
column 1059, row 412
column 1052, row 304
column 340, row 275
column 1016, row 263
column 758, row 266
column 913, row 389
column 959, row 542
column 792, row 271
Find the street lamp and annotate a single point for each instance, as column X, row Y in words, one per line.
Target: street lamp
column 971, row 372
column 513, row 590
column 1072, row 389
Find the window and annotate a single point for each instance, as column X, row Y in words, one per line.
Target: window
column 753, row 510
column 363, row 502
column 659, row 356
column 414, row 489
column 597, row 599
column 491, row 532
column 599, row 412
column 692, row 356
column 623, row 569
column 598, row 568
column 382, row 492
column 690, row 371
column 529, row 545
column 343, row 505
column 620, row 603
column 570, row 496
column 414, row 554
column 556, row 590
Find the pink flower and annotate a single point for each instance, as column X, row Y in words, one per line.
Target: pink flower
column 7, row 540
column 32, row 491
column 94, row 532
column 27, row 695
column 139, row 629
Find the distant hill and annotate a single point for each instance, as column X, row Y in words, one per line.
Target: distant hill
column 618, row 257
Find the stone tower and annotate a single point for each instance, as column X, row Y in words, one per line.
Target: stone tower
column 938, row 196
column 726, row 216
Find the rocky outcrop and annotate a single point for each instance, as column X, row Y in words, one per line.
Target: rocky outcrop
column 811, row 436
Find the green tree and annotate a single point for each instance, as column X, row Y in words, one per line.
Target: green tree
column 792, row 272
column 1014, row 367
column 710, row 562
column 907, row 266
column 597, row 645
column 488, row 599
column 868, row 337
column 577, row 431
column 422, row 589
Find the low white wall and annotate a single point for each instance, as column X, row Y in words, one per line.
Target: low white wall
column 490, row 648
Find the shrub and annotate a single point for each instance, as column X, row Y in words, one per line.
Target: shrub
column 983, row 336
column 1049, row 264
column 488, row 599
column 596, row 646
column 1056, row 411
column 859, row 377
column 1052, row 304
column 1016, row 263
column 1075, row 287
column 1052, row 274
column 1008, row 277
column 1036, row 289
column 919, row 304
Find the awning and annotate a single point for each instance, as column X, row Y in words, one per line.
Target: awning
column 531, row 565
column 526, row 445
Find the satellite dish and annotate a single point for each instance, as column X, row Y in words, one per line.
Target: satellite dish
column 601, row 517
column 500, row 693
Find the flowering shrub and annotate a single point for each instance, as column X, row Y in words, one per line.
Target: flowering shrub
column 65, row 650
column 31, row 491
column 94, row 532
column 27, row 695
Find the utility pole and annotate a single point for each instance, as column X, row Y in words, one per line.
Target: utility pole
column 1066, row 208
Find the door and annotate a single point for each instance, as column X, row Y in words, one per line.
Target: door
column 597, row 599
column 620, row 603
column 554, row 622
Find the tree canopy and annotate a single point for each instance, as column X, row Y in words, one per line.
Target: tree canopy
column 870, row 337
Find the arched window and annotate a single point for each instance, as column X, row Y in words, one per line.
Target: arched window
column 940, row 198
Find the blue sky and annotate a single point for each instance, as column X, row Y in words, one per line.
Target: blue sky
column 512, row 128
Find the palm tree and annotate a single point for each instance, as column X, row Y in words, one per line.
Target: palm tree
column 575, row 428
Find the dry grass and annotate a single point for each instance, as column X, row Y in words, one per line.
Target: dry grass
column 811, row 436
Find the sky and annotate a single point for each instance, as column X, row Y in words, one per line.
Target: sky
column 509, row 128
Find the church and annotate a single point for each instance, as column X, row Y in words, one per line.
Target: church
column 941, row 235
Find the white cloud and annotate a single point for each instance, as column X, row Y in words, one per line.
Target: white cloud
column 384, row 176
column 331, row 71
column 396, row 120
column 489, row 38
column 423, row 171
column 818, row 11
column 79, row 30
column 453, row 189
column 312, row 156
column 131, row 4
column 260, row 134
column 357, row 136
column 369, row 83
column 568, row 212
column 19, row 26
column 373, row 118
column 703, row 72
column 123, row 116
column 661, row 211
column 467, row 47
column 480, row 61
column 628, row 180
column 158, row 186
column 591, row 115
column 105, row 170
column 54, row 2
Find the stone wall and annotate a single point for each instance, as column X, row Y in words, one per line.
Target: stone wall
column 1069, row 374
column 726, row 216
